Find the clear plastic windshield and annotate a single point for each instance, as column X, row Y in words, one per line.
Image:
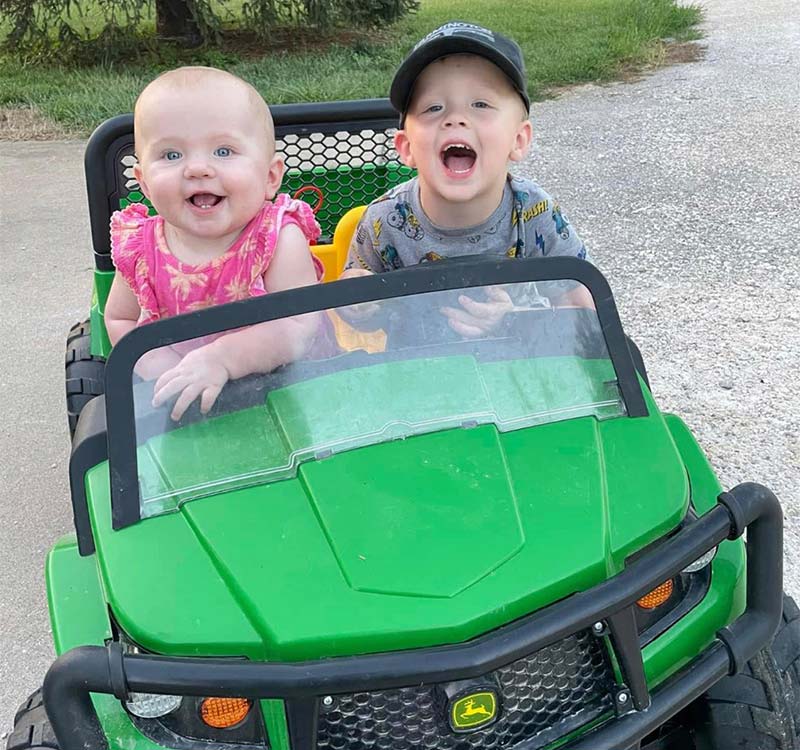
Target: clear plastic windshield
column 513, row 356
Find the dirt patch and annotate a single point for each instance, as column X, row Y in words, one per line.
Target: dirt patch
column 27, row 124
column 664, row 53
column 684, row 52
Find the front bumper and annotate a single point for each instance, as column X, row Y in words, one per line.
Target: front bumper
column 86, row 669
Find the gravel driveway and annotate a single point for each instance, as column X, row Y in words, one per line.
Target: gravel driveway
column 686, row 187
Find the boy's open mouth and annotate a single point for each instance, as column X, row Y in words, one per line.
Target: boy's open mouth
column 458, row 157
column 205, row 200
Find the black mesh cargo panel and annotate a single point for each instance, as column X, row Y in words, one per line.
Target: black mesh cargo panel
column 541, row 697
column 332, row 171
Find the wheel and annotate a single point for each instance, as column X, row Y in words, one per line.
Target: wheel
column 32, row 729
column 758, row 709
column 85, row 373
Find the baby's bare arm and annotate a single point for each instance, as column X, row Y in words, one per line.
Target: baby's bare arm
column 266, row 346
column 121, row 316
column 121, row 311
column 259, row 348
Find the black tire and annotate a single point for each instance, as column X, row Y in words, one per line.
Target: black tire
column 32, row 729
column 758, row 709
column 85, row 373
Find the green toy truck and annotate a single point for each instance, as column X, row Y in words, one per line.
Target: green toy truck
column 418, row 541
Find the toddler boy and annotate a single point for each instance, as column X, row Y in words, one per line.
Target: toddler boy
column 464, row 114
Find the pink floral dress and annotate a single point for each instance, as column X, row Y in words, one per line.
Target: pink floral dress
column 165, row 286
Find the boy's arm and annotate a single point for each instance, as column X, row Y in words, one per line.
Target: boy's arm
column 121, row 315
column 363, row 316
column 362, row 253
column 560, row 238
column 362, row 260
column 260, row 348
column 553, row 236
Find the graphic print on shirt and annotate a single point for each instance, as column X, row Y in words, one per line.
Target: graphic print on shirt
column 403, row 218
column 390, row 258
column 540, row 243
column 562, row 225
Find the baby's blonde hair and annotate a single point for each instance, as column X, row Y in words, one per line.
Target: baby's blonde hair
column 195, row 76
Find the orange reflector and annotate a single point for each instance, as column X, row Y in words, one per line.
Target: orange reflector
column 657, row 596
column 222, row 713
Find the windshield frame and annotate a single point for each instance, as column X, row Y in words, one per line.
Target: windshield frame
column 433, row 277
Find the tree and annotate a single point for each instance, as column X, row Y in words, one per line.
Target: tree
column 174, row 19
column 41, row 28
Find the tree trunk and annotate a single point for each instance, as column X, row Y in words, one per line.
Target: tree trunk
column 174, row 19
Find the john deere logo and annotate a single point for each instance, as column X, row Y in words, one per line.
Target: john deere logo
column 473, row 711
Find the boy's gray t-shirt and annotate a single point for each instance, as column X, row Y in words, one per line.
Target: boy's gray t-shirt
column 395, row 232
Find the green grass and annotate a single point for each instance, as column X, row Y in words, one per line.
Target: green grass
column 564, row 41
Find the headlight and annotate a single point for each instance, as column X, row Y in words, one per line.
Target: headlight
column 234, row 722
column 222, row 713
column 701, row 562
column 147, row 705
column 659, row 596
column 171, row 719
column 151, row 705
column 662, row 607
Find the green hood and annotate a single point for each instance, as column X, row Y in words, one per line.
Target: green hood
column 430, row 540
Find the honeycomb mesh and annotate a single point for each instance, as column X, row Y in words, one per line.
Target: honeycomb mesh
column 345, row 169
column 541, row 697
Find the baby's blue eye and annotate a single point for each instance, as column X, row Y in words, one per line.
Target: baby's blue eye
column 223, row 151
column 172, row 155
column 481, row 105
column 434, row 108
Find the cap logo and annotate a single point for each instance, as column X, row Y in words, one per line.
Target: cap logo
column 457, row 27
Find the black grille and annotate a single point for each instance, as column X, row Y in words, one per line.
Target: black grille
column 541, row 697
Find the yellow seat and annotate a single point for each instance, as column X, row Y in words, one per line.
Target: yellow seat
column 333, row 257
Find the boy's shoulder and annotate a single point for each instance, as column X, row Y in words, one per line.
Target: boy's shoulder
column 398, row 193
column 529, row 193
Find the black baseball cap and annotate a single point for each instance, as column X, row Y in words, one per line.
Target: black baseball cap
column 457, row 37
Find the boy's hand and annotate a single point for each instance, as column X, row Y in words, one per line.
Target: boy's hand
column 352, row 273
column 201, row 373
column 474, row 319
column 363, row 311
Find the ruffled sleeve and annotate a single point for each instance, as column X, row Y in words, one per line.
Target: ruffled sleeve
column 282, row 211
column 131, row 256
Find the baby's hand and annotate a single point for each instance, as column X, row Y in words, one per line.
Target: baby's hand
column 474, row 318
column 201, row 373
column 363, row 311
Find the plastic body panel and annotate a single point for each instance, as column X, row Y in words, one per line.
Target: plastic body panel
column 248, row 563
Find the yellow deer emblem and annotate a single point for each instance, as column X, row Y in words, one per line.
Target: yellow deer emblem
column 471, row 710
